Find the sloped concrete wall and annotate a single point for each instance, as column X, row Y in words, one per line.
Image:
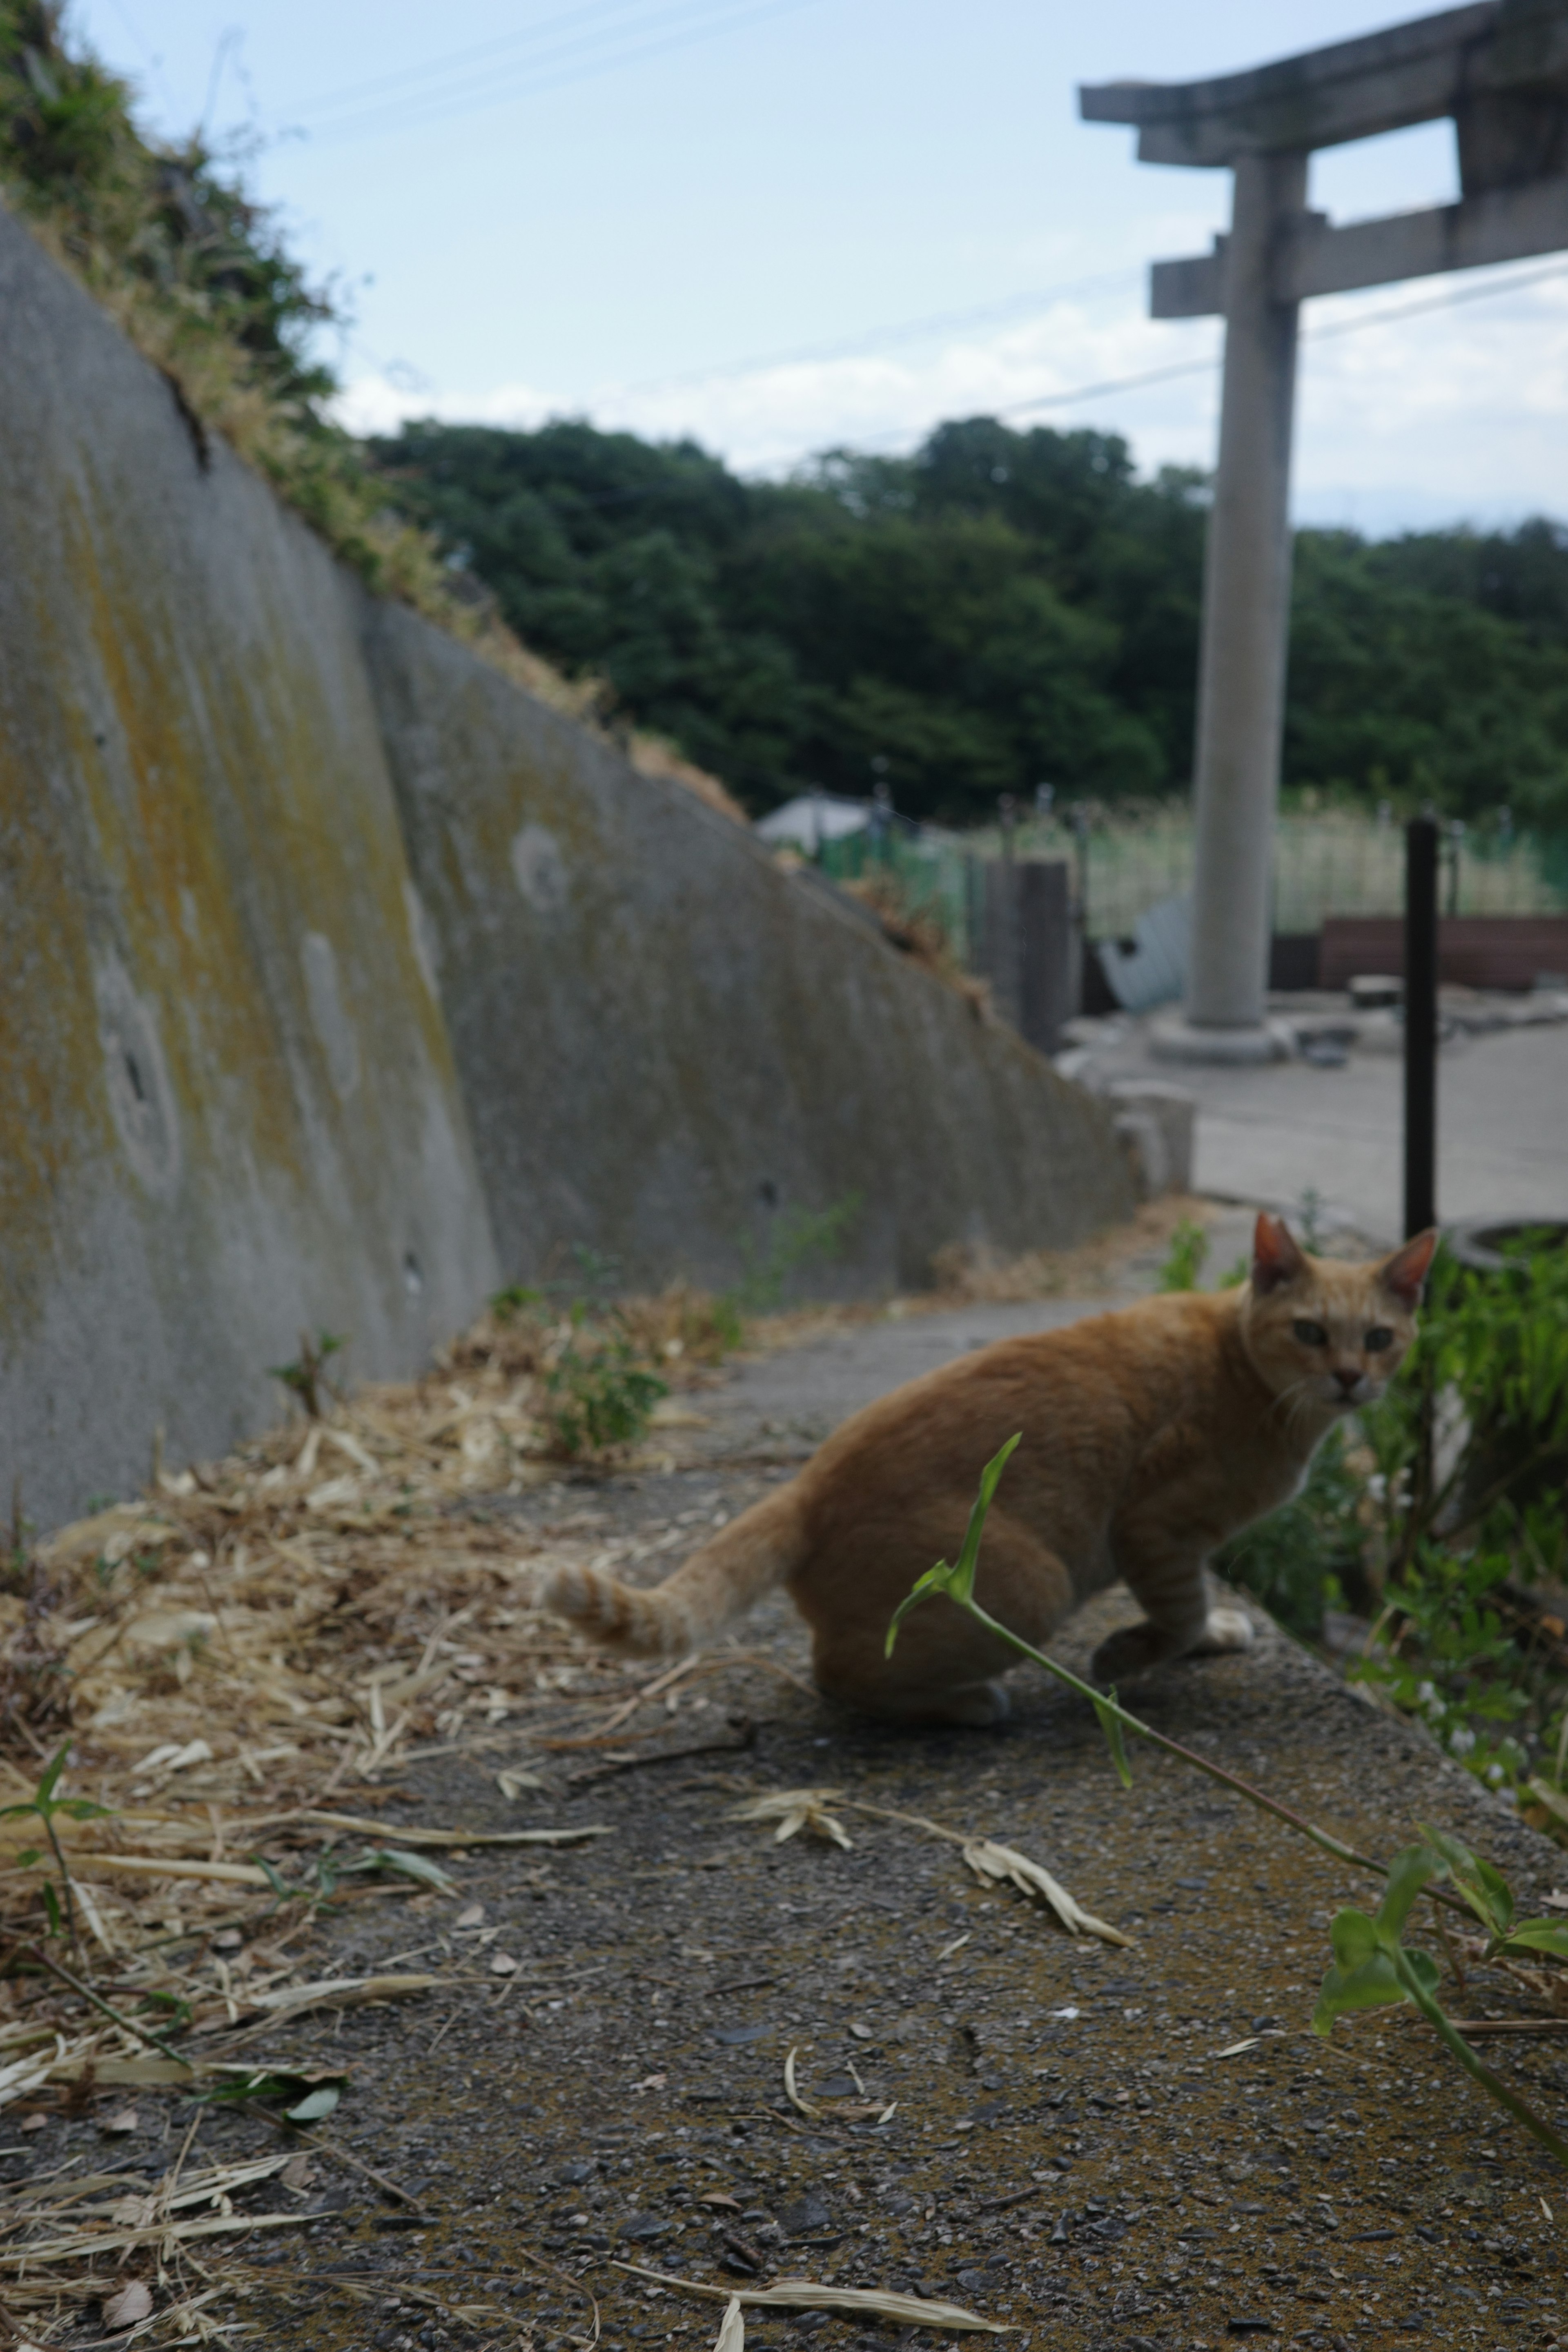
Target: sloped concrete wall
column 227, row 1101
column 666, row 1042
column 342, row 980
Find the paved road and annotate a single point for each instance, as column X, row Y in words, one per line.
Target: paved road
column 1268, row 1134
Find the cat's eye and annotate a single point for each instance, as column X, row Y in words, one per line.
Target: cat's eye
column 1375, row 1340
column 1310, row 1335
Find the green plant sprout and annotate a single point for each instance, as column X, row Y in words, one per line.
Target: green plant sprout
column 328, row 1870
column 306, row 1377
column 45, row 1805
column 600, row 1399
column 799, row 1236
column 1186, row 1257
column 1371, row 1967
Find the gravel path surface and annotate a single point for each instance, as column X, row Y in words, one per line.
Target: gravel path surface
column 1100, row 2148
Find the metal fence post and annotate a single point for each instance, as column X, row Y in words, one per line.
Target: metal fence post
column 1420, row 1024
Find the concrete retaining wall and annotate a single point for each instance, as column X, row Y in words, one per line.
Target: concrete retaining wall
column 666, row 1042
column 227, row 1101
column 340, row 978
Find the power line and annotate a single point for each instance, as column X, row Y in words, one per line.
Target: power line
column 674, row 29
column 359, row 93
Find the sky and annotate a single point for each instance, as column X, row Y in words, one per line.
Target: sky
column 784, row 226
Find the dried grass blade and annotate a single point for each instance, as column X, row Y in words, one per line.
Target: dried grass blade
column 230, row 1874
column 732, row 2336
column 797, row 1809
column 328, row 1992
column 811, row 2295
column 124, row 2241
column 997, row 1864
column 804, row 2106
column 407, row 1836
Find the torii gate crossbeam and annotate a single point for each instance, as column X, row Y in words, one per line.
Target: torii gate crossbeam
column 1499, row 70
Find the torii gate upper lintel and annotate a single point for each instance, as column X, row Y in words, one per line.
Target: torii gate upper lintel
column 1499, row 70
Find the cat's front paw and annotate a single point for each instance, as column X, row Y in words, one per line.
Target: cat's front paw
column 1224, row 1629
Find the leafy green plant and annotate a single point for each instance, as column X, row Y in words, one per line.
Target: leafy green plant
column 1305, row 1556
column 306, row 1377
column 516, row 1299
column 1469, row 1454
column 45, row 1804
column 796, row 1238
column 1372, row 1965
column 601, row 1394
column 322, row 1882
column 1185, row 1258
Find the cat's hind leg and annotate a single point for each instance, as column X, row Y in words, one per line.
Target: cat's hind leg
column 945, row 1668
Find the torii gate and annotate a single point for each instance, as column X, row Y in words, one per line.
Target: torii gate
column 1499, row 70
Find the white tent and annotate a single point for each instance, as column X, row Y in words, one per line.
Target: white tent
column 814, row 818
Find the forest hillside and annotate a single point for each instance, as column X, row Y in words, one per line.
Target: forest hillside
column 999, row 609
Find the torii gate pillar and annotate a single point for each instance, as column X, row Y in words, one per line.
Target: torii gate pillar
column 1500, row 69
column 1246, row 614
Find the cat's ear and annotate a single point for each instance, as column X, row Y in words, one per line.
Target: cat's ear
column 1407, row 1270
column 1277, row 1256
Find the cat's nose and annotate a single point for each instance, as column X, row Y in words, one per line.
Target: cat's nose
column 1349, row 1378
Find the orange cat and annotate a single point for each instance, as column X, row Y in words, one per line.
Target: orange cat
column 1150, row 1435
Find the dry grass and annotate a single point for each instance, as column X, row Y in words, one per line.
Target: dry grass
column 1103, row 1263
column 916, row 932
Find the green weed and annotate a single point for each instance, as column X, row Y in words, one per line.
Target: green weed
column 306, row 1377
column 602, row 1392
column 1185, row 1258
column 44, row 1805
column 796, row 1238
column 1307, row 1555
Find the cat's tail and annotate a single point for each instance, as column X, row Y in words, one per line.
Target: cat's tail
column 720, row 1581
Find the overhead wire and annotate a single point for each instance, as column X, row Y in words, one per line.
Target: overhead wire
column 574, row 57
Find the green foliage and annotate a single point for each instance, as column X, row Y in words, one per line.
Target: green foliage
column 796, row 1238
column 1185, row 1258
column 44, row 1805
column 602, row 1393
column 1375, row 1968
column 1000, row 608
column 306, row 1376
column 314, row 2095
column 957, row 1581
column 1303, row 1557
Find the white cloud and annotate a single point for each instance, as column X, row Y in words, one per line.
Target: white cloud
column 1455, row 411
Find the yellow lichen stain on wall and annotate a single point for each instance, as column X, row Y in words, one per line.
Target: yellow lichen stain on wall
column 54, row 1115
column 233, row 814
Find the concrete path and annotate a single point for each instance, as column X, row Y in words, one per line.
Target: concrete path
column 1270, row 1134
column 1134, row 2149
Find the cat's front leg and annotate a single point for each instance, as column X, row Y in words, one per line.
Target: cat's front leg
column 1224, row 1629
column 1180, row 1620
